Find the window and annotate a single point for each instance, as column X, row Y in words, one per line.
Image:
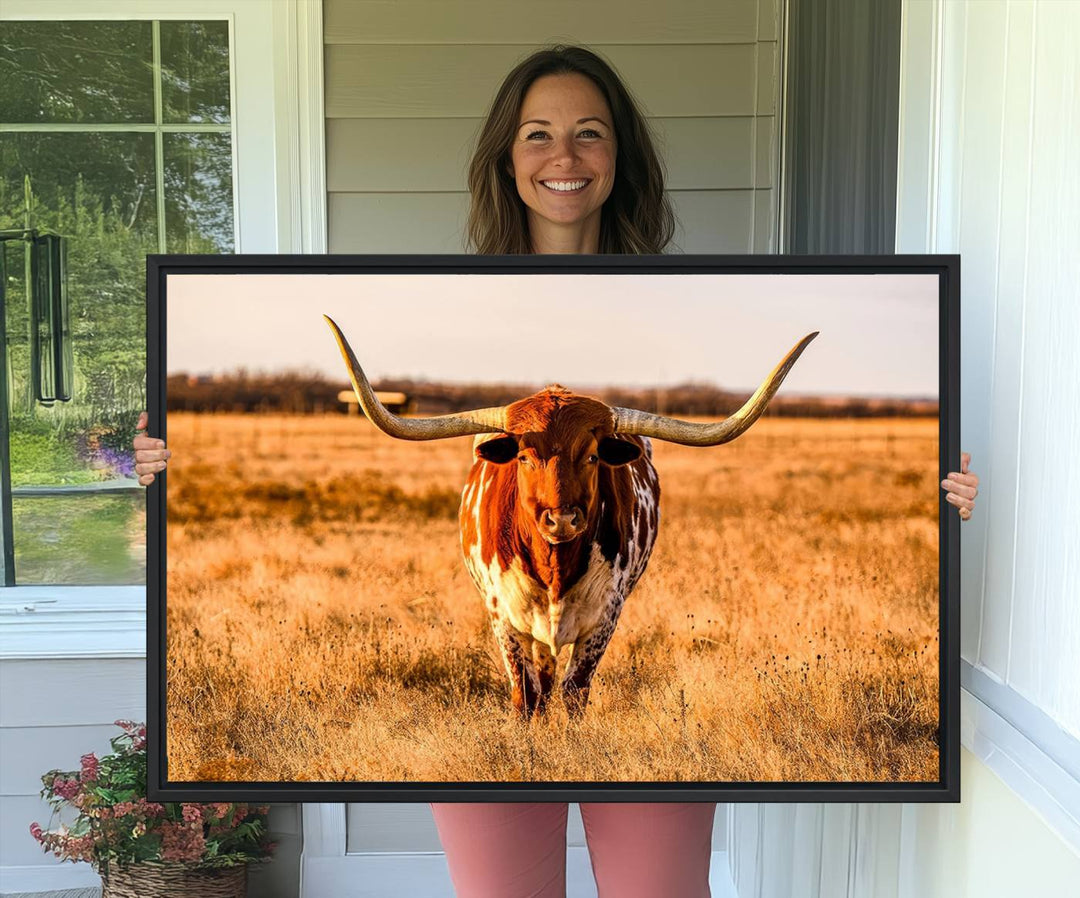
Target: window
column 117, row 136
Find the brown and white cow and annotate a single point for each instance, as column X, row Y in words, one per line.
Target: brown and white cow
column 559, row 516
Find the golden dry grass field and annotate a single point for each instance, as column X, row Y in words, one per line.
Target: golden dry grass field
column 322, row 626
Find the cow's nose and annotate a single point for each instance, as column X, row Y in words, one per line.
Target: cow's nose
column 561, row 523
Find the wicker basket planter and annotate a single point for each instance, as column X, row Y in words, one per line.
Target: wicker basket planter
column 172, row 880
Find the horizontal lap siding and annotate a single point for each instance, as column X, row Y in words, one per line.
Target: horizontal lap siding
column 524, row 22
column 408, row 84
column 409, row 81
column 460, row 81
column 53, row 712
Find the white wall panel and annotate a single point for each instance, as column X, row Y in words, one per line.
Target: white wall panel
column 1046, row 614
column 979, row 171
column 392, row 826
column 1008, row 200
column 1013, row 224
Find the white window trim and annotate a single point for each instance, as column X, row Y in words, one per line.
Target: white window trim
column 279, row 197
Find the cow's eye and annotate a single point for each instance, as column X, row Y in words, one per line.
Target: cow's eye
column 523, row 458
column 593, row 459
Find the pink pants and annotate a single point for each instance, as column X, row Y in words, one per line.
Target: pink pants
column 501, row 850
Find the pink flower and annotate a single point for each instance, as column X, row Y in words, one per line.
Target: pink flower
column 181, row 842
column 35, row 831
column 192, row 813
column 89, row 768
column 150, row 808
column 65, row 788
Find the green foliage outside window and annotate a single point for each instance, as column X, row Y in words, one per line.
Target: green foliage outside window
column 99, row 183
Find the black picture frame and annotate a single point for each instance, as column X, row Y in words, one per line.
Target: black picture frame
column 947, row 789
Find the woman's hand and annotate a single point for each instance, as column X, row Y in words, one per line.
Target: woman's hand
column 962, row 487
column 150, row 454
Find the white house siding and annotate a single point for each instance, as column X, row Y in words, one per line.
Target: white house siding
column 989, row 142
column 408, row 83
column 56, row 709
column 53, row 711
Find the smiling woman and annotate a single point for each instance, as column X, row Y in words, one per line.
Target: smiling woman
column 563, row 162
column 563, row 117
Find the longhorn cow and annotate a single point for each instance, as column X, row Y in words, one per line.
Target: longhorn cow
column 559, row 516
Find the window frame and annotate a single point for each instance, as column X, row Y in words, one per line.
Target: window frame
column 276, row 95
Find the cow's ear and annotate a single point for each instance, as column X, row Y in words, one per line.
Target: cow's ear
column 618, row 452
column 499, row 450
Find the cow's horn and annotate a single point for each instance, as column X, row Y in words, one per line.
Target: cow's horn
column 485, row 420
column 631, row 420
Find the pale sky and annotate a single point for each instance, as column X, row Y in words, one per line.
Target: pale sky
column 879, row 333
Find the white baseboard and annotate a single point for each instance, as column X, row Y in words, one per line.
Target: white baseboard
column 1047, row 787
column 353, row 876
column 427, row 876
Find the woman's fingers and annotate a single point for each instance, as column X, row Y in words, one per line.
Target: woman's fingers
column 145, row 442
column 150, row 453
column 959, row 501
column 964, row 505
column 962, row 485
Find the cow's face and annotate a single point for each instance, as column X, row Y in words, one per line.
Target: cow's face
column 558, row 444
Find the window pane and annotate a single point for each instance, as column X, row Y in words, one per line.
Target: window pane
column 195, row 71
column 98, row 191
column 198, row 193
column 81, row 540
column 76, row 72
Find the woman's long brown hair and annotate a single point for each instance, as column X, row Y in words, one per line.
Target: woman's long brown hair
column 637, row 216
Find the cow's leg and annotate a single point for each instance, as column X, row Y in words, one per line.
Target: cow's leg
column 526, row 691
column 544, row 662
column 588, row 651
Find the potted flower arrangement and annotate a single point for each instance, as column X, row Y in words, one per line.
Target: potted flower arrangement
column 141, row 847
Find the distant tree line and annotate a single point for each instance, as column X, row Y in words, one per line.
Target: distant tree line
column 298, row 392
